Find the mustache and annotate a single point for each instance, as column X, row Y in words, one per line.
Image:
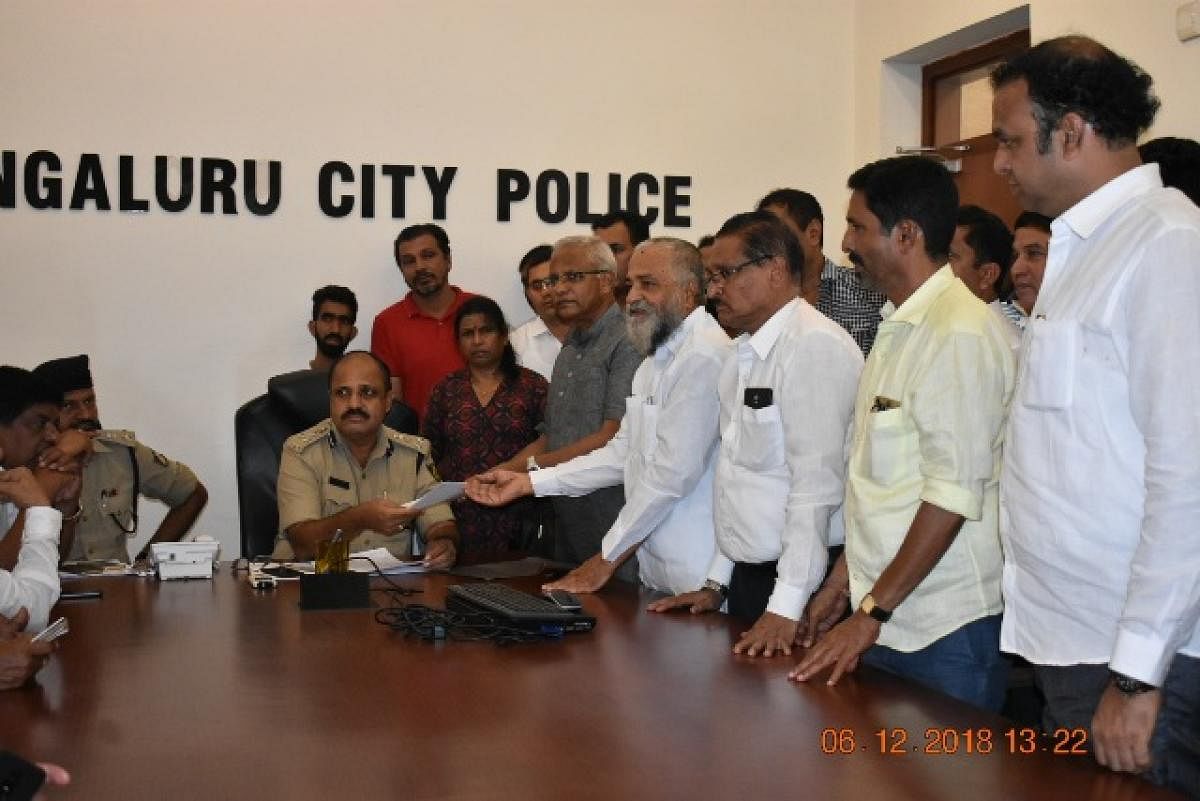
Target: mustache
column 854, row 258
column 88, row 424
column 355, row 413
column 335, row 339
column 422, row 274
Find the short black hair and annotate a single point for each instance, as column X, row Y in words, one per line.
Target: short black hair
column 705, row 241
column 539, row 254
column 423, row 229
column 335, row 294
column 639, row 228
column 20, row 389
column 491, row 311
column 1078, row 74
column 765, row 236
column 1031, row 219
column 911, row 188
column 384, row 370
column 987, row 235
column 802, row 207
column 1178, row 162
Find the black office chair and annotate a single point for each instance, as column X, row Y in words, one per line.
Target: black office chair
column 292, row 403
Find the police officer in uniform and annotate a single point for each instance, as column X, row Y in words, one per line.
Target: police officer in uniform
column 117, row 471
column 351, row 473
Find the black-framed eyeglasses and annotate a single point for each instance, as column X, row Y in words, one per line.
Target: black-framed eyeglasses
column 720, row 275
column 570, row 277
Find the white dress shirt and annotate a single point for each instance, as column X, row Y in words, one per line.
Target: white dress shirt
column 928, row 426
column 781, row 468
column 1101, row 494
column 536, row 347
column 33, row 582
column 665, row 452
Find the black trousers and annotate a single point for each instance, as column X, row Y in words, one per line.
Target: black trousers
column 750, row 588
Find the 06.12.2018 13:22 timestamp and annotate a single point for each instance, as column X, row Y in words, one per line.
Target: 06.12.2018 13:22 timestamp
column 949, row 741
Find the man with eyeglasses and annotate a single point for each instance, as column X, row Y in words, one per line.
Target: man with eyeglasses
column 665, row 450
column 538, row 341
column 787, row 398
column 349, row 476
column 116, row 473
column 592, row 377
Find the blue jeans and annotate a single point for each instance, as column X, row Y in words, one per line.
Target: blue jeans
column 1073, row 693
column 965, row 664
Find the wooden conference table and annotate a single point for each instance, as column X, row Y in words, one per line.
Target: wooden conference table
column 210, row 690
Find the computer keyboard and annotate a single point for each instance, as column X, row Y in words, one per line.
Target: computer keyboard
column 503, row 600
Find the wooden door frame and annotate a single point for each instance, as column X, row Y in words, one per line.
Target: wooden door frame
column 963, row 61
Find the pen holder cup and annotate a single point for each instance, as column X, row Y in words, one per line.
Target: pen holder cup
column 333, row 557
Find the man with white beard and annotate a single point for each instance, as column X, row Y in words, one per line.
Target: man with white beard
column 665, row 450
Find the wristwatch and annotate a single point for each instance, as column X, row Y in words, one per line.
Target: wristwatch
column 1128, row 686
column 715, row 586
column 531, row 464
column 869, row 607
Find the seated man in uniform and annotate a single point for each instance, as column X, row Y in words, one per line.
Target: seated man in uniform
column 351, row 473
column 117, row 471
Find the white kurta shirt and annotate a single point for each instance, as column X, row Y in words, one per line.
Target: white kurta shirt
column 536, row 347
column 781, row 470
column 928, row 426
column 664, row 452
column 1100, row 503
column 33, row 582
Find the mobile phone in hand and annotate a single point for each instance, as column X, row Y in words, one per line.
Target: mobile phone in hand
column 19, row 779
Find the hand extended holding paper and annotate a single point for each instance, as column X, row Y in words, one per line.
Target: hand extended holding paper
column 498, row 487
column 385, row 516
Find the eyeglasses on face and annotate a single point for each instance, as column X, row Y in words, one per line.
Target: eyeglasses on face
column 570, row 277
column 721, row 275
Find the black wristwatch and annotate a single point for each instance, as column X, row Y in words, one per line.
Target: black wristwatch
column 869, row 607
column 1129, row 686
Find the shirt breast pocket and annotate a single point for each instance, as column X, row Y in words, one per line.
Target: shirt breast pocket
column 1051, row 364
column 891, row 446
column 642, row 420
column 761, row 438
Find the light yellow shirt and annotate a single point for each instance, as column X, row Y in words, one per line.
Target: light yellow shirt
column 928, row 425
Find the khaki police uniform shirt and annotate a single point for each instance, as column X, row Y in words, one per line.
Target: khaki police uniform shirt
column 109, row 496
column 319, row 477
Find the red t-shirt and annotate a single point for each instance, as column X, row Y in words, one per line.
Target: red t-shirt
column 420, row 350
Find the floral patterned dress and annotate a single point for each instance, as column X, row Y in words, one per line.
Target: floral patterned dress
column 469, row 438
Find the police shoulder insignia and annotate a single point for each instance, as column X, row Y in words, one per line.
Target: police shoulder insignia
column 300, row 442
column 419, row 444
column 117, row 436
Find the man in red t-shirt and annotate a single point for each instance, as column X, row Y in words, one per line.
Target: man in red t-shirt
column 416, row 336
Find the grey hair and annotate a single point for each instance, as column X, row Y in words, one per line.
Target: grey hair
column 597, row 252
column 687, row 267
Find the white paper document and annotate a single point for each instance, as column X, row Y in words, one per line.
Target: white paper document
column 384, row 561
column 438, row 493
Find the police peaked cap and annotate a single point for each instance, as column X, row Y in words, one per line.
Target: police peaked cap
column 67, row 374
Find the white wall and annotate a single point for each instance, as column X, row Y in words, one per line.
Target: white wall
column 887, row 100
column 185, row 316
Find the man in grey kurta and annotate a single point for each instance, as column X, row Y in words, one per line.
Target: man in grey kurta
column 592, row 378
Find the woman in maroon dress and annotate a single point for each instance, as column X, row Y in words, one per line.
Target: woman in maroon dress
column 479, row 417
